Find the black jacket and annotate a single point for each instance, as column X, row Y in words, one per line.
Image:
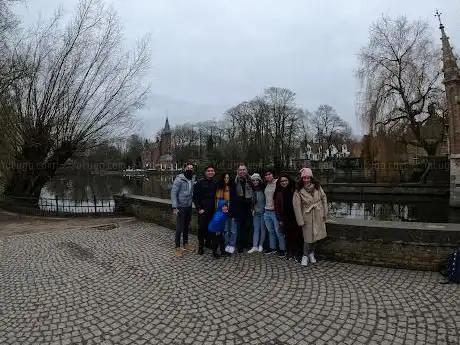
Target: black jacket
column 204, row 194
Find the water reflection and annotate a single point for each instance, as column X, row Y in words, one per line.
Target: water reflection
column 51, row 203
column 84, row 193
column 376, row 207
column 157, row 186
column 434, row 211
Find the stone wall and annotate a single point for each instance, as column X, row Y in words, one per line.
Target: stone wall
column 421, row 246
column 150, row 209
column 455, row 180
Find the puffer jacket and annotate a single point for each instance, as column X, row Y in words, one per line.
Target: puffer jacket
column 182, row 192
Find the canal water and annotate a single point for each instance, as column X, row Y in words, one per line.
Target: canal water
column 93, row 192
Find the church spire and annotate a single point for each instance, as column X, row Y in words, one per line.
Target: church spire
column 167, row 128
column 450, row 67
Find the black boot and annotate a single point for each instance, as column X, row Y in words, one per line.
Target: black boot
column 216, row 255
column 200, row 251
column 221, row 242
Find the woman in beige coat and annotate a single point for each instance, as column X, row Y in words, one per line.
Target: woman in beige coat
column 310, row 208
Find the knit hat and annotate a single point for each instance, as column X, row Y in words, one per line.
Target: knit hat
column 256, row 176
column 304, row 172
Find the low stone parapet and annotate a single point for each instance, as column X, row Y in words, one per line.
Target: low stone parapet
column 421, row 246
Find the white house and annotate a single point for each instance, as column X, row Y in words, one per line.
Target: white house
column 317, row 155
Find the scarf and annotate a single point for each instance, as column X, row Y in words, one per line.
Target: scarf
column 223, row 194
column 308, row 198
column 310, row 188
column 247, row 192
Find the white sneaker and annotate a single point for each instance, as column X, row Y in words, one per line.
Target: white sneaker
column 227, row 248
column 230, row 250
column 253, row 250
column 260, row 249
column 312, row 258
column 304, row 261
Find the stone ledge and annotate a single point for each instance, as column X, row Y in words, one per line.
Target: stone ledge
column 421, row 246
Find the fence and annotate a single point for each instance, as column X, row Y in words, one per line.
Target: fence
column 57, row 206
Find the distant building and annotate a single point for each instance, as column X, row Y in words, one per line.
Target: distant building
column 313, row 154
column 159, row 155
column 355, row 148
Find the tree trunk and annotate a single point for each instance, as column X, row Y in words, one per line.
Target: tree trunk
column 26, row 183
column 431, row 149
column 31, row 173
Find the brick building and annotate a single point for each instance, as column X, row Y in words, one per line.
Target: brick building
column 158, row 156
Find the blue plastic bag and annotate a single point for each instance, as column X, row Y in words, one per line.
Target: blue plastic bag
column 217, row 223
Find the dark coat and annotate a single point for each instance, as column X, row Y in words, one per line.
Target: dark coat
column 284, row 209
column 204, row 195
column 240, row 206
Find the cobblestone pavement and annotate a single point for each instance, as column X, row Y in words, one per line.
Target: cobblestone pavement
column 124, row 286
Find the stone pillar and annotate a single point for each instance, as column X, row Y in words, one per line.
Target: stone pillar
column 454, row 180
column 453, row 101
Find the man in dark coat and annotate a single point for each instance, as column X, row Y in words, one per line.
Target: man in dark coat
column 242, row 207
column 204, row 198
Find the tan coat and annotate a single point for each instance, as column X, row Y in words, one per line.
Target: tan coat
column 309, row 212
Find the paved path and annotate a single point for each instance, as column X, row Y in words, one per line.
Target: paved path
column 15, row 224
column 124, row 286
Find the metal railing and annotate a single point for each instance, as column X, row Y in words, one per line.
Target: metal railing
column 57, row 206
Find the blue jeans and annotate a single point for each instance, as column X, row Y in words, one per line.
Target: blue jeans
column 274, row 231
column 258, row 237
column 231, row 232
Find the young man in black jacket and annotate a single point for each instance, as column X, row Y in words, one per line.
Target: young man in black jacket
column 204, row 198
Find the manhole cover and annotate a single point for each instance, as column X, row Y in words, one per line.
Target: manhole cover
column 106, row 227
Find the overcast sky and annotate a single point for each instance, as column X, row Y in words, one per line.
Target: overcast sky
column 211, row 54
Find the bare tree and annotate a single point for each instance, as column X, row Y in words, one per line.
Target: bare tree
column 185, row 142
column 82, row 89
column 135, row 146
column 10, row 70
column 7, row 19
column 12, row 66
column 400, row 77
column 282, row 114
column 305, row 134
column 330, row 130
column 266, row 129
column 241, row 132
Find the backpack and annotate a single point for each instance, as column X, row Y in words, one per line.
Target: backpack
column 453, row 267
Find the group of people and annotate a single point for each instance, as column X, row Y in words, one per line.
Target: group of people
column 293, row 214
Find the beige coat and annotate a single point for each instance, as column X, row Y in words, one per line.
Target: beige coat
column 309, row 212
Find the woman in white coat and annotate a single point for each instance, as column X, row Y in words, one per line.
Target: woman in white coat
column 310, row 208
